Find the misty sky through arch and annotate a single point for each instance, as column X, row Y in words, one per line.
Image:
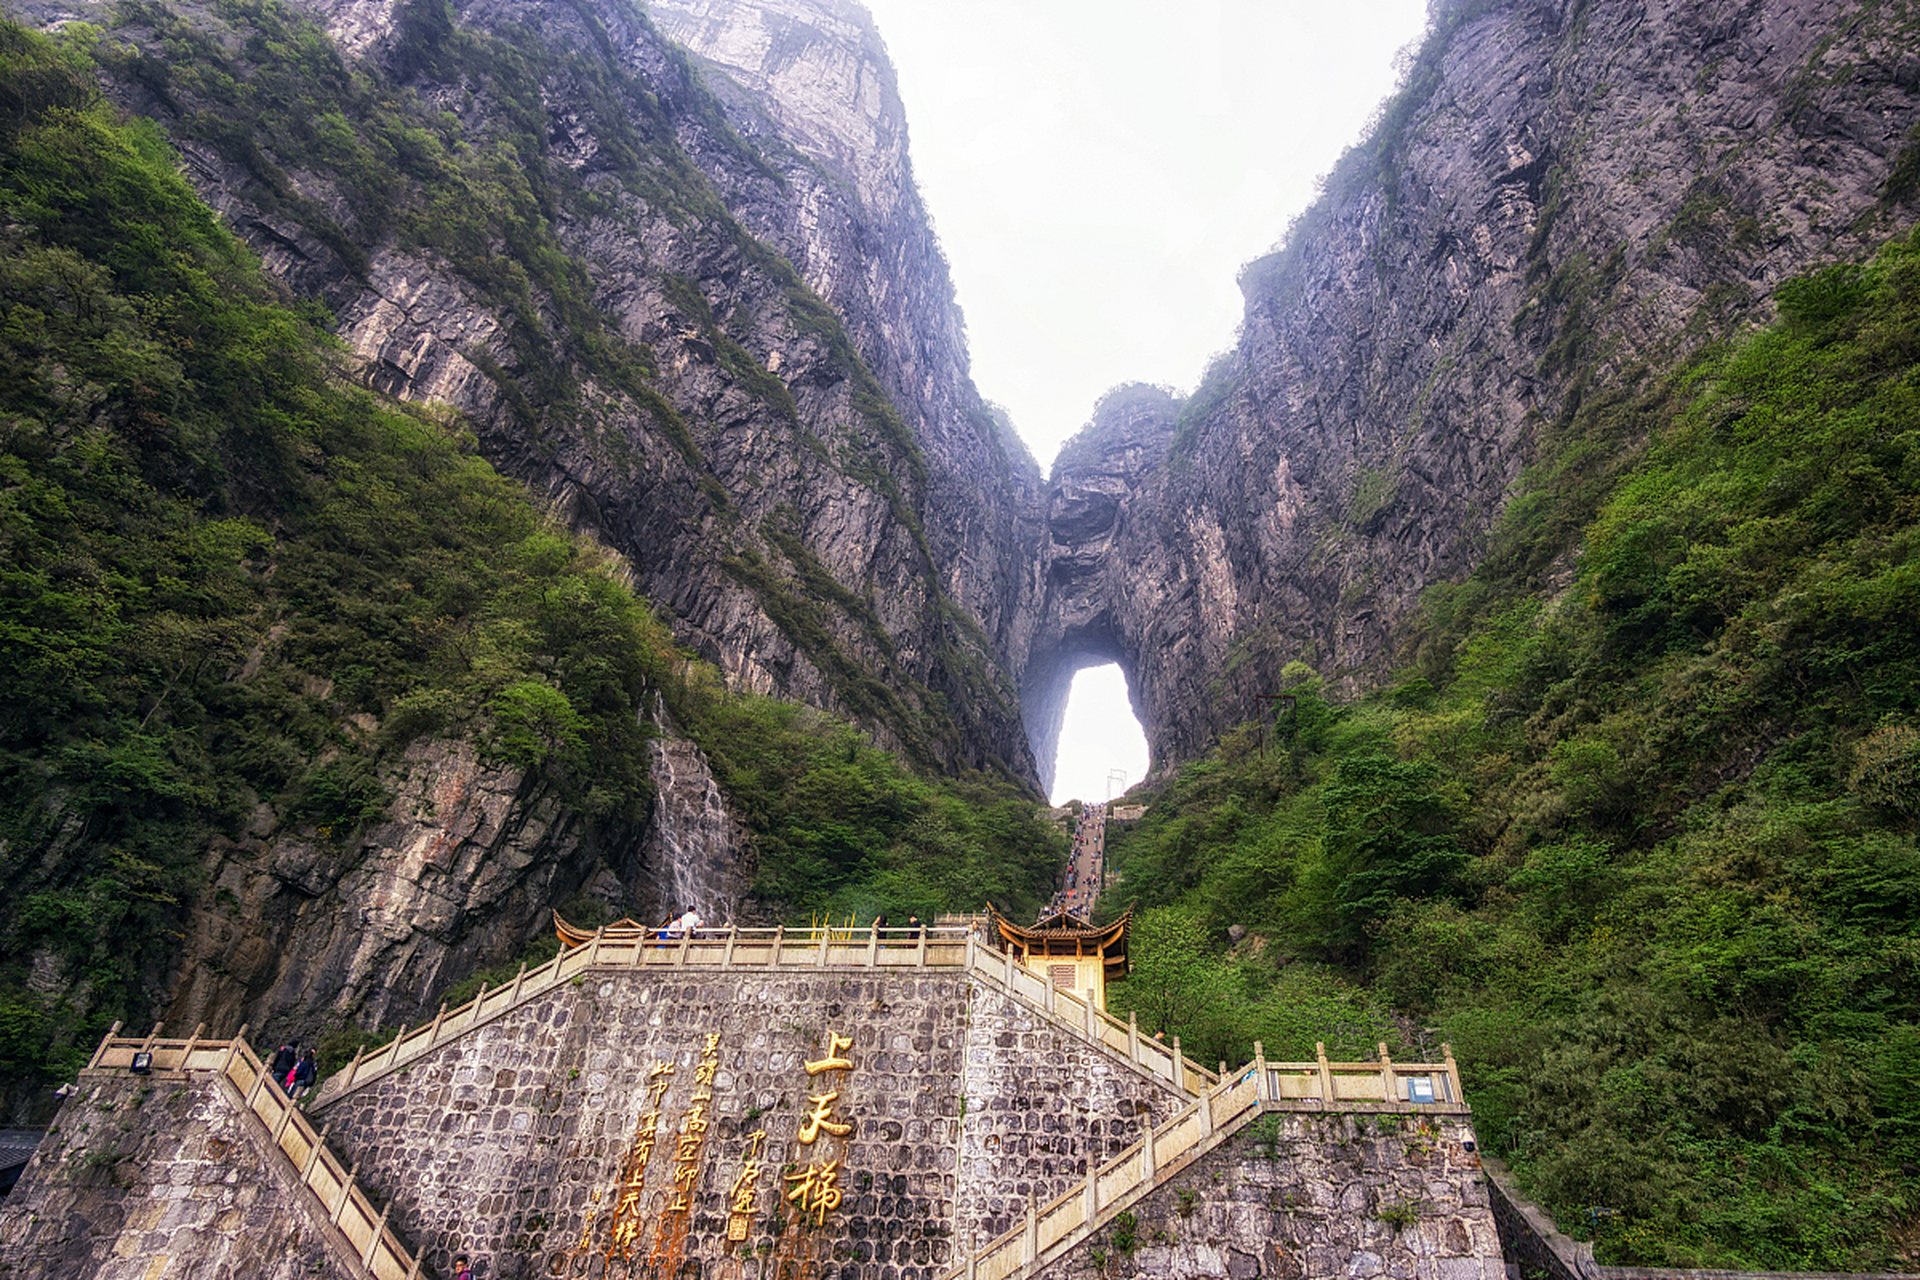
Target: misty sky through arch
column 1098, row 171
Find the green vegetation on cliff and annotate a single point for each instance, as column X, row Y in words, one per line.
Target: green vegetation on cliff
column 233, row 589
column 221, row 565
column 1643, row 848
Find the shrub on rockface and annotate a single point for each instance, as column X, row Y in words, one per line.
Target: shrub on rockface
column 1643, row 852
column 217, row 556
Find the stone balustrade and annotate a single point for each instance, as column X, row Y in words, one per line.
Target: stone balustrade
column 379, row 1252
column 1220, row 1111
column 936, row 947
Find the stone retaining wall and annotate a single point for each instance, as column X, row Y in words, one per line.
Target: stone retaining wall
column 1301, row 1194
column 144, row 1177
column 1040, row 1102
column 1527, row 1235
column 515, row 1142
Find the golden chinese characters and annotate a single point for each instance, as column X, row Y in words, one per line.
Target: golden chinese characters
column 815, row 1189
column 741, row 1194
column 693, row 1129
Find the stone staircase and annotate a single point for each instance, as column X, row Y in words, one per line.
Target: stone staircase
column 359, row 1228
column 1220, row 1106
column 942, row 946
column 1052, row 1231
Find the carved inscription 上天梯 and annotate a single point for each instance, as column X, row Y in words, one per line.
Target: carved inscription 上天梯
column 815, row 1189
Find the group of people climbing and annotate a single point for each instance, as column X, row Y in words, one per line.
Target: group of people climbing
column 1082, row 888
column 294, row 1069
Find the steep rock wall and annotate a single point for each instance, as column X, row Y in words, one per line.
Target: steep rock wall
column 1564, row 191
column 815, row 72
column 295, row 932
column 716, row 335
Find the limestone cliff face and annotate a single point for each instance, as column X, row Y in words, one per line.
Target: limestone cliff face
column 715, row 333
column 813, row 76
column 762, row 400
column 725, row 344
column 1094, row 609
column 299, row 931
column 1565, row 190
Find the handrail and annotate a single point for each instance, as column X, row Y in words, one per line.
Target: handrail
column 1211, row 1118
column 381, row 1254
column 931, row 947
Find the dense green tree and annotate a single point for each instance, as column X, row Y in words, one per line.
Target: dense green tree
column 1645, row 855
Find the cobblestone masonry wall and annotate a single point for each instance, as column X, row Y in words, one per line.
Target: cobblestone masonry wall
column 1528, row 1237
column 1040, row 1102
column 1298, row 1195
column 514, row 1143
column 152, row 1178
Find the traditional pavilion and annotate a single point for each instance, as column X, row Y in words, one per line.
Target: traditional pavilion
column 1070, row 952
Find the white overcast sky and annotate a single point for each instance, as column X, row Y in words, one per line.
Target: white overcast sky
column 1097, row 171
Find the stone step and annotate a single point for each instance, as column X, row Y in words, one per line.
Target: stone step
column 936, row 947
column 358, row 1226
column 1053, row 1231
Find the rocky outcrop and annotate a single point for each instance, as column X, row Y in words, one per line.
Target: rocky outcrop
column 300, row 930
column 1089, row 617
column 297, row 933
column 717, row 334
column 1563, row 194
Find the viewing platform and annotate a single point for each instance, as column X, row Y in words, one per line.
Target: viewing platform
column 629, row 946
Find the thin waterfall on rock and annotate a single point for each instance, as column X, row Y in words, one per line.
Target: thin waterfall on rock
column 695, row 848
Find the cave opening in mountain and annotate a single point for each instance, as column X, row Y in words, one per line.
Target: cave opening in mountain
column 1102, row 749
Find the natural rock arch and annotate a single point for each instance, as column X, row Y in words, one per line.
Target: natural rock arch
column 1084, row 586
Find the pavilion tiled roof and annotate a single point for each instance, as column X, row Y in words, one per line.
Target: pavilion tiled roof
column 1047, row 937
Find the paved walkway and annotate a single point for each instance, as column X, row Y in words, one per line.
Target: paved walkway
column 1081, row 892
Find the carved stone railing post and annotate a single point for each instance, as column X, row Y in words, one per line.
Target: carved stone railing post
column 233, row 1049
column 313, row 1153
column 105, row 1040
column 373, row 1243
column 186, row 1054
column 346, row 1193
